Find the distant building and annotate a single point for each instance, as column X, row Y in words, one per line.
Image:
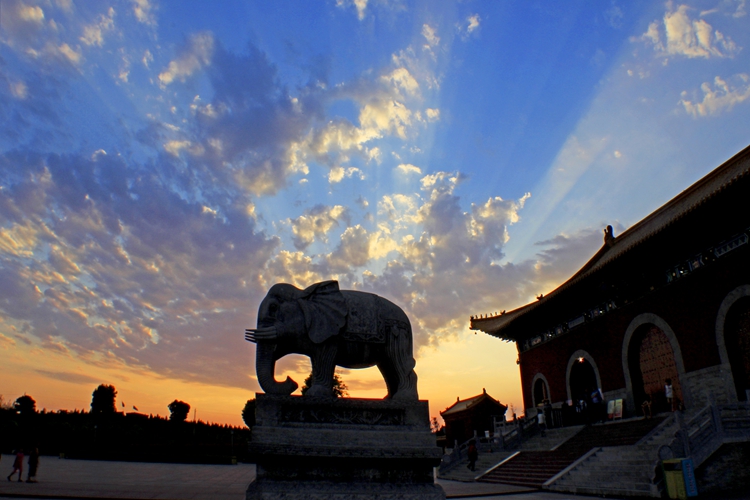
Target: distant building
column 667, row 299
column 469, row 415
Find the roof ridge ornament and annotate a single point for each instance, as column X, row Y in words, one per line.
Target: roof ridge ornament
column 609, row 236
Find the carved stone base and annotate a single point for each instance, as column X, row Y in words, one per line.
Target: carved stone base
column 344, row 449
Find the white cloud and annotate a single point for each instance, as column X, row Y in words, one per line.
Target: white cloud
column 194, row 57
column 400, row 79
column 33, row 14
column 93, row 34
column 721, row 97
column 360, row 5
column 66, row 51
column 428, row 32
column 147, row 58
column 143, row 12
column 316, row 223
column 433, row 114
column 408, row 168
column 473, row 23
column 689, row 38
column 338, row 173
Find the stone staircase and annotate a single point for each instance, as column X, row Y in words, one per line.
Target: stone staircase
column 617, row 470
column 536, row 468
column 488, row 460
column 485, row 462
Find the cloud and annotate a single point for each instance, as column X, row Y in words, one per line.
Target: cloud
column 33, row 14
column 194, row 56
column 429, row 33
column 689, row 38
column 472, row 23
column 316, row 223
column 408, row 168
column 92, row 250
column 93, row 34
column 72, row 377
column 337, row 174
column 718, row 98
column 359, row 5
column 143, row 10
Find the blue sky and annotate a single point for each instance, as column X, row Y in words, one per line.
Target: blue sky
column 163, row 163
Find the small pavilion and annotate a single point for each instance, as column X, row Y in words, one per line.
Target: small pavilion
column 467, row 416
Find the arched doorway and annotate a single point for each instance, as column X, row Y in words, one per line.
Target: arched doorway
column 737, row 341
column 651, row 361
column 540, row 390
column 582, row 379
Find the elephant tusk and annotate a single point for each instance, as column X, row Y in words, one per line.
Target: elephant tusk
column 265, row 333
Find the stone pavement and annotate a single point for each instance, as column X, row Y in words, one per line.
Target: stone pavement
column 91, row 479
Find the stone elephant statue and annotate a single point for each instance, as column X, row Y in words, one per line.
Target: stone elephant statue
column 333, row 327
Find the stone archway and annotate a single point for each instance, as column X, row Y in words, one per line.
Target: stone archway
column 650, row 355
column 733, row 340
column 539, row 389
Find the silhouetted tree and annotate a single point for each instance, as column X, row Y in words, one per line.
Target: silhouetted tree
column 179, row 411
column 434, row 425
column 25, row 405
column 4, row 404
column 340, row 389
column 103, row 399
column 248, row 413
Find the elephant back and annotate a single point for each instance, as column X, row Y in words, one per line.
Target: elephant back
column 372, row 318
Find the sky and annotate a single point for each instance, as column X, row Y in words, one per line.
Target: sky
column 163, row 163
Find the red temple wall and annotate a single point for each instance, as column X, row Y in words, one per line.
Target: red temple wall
column 689, row 306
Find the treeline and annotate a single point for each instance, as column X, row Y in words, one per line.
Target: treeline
column 106, row 434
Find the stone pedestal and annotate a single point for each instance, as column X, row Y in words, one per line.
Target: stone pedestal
column 309, row 448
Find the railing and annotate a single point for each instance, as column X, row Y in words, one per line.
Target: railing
column 507, row 436
column 705, row 432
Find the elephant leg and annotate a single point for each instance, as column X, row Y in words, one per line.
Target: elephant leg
column 323, row 367
column 399, row 350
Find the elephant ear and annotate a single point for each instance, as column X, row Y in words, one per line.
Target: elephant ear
column 325, row 310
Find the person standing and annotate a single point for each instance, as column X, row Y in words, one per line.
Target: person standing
column 669, row 393
column 17, row 466
column 473, row 455
column 540, row 419
column 33, row 465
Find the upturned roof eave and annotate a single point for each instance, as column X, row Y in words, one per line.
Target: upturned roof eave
column 675, row 209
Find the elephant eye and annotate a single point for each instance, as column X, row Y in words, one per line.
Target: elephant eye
column 273, row 309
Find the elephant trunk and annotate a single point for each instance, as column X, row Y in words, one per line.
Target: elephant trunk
column 265, row 365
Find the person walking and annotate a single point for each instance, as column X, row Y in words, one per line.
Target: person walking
column 17, row 466
column 33, row 465
column 473, row 456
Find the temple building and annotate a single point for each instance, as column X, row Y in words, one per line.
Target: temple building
column 669, row 298
column 473, row 416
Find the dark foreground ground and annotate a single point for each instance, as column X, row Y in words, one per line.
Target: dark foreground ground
column 90, row 479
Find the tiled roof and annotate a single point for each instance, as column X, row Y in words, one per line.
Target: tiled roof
column 463, row 404
column 690, row 199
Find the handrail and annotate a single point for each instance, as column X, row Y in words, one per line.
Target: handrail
column 497, row 465
column 572, row 466
column 520, row 429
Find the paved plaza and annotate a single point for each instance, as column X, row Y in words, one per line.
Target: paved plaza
column 90, row 479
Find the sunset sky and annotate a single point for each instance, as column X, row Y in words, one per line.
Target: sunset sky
column 163, row 163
